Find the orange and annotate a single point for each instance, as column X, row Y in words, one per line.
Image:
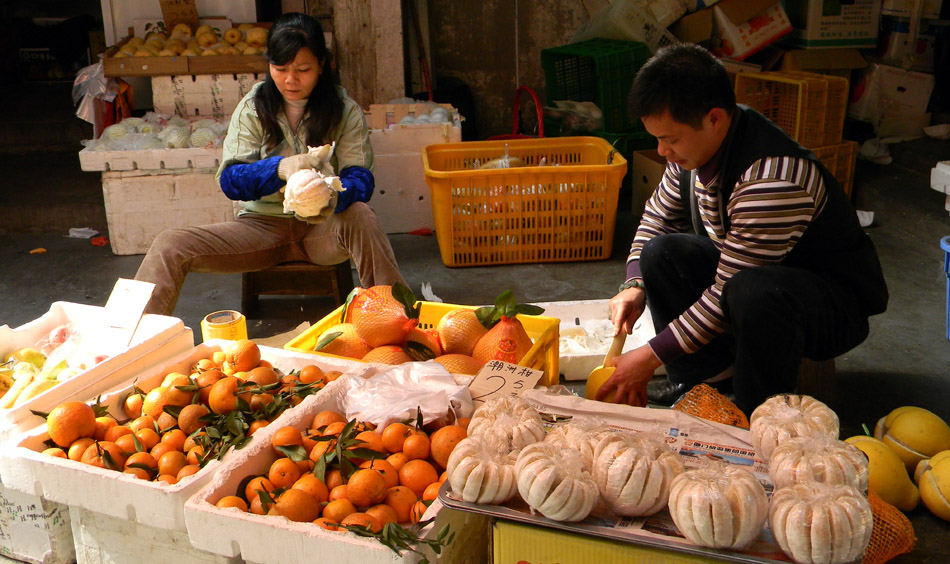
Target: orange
column 371, row 440
column 283, row 473
column 338, row 510
column 126, row 443
column 394, row 435
column 70, row 421
column 161, row 449
column 416, row 447
column 223, row 396
column 165, row 422
column 172, row 462
column 366, row 487
column 397, row 460
column 348, row 343
column 143, row 422
column 263, row 375
column 174, row 395
column 175, row 438
column 387, row 354
column 324, row 418
column 218, row 358
column 114, row 432
column 103, row 424
column 202, row 365
column 432, row 491
column 132, row 406
column 383, row 513
column 364, row 520
column 310, row 374
column 205, row 380
column 142, row 459
column 187, row 470
column 443, row 441
column 191, row 442
column 313, row 486
column 288, row 436
column 418, row 510
column 333, row 429
column 320, row 448
column 327, row 524
column 78, row 447
column 332, row 478
column 401, row 499
column 148, row 438
column 256, row 426
column 138, row 473
column 390, row 474
column 155, row 401
column 258, row 483
column 104, row 455
column 338, row 492
column 243, row 355
column 56, row 452
column 260, row 401
column 416, row 475
column 168, row 479
column 296, row 505
column 256, row 506
column 195, row 454
column 189, row 419
column 232, row 501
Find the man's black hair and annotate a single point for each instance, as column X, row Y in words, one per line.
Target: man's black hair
column 685, row 79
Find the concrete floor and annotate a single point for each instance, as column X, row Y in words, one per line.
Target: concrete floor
column 905, row 361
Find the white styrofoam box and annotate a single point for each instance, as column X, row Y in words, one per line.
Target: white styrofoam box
column 157, row 338
column 883, row 92
column 140, row 205
column 23, row 466
column 201, row 95
column 33, row 529
column 150, row 159
column 100, row 538
column 262, row 539
column 402, row 200
column 587, row 322
column 940, row 177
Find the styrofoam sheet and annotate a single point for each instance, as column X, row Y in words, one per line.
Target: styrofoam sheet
column 585, row 324
column 156, row 338
column 23, row 466
column 33, row 529
column 940, row 177
column 150, row 159
column 262, row 539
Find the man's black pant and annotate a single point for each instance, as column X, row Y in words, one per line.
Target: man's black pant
column 776, row 315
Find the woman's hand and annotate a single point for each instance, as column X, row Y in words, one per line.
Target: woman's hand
column 628, row 383
column 626, row 308
column 303, row 161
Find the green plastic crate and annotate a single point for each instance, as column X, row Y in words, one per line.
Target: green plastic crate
column 597, row 70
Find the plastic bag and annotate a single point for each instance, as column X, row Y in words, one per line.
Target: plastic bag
column 101, row 101
column 394, row 394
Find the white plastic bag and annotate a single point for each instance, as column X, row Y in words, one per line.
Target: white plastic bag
column 394, row 394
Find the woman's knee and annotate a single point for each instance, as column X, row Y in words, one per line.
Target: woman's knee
column 756, row 290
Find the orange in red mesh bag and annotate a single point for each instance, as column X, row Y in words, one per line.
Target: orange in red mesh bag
column 893, row 532
column 705, row 402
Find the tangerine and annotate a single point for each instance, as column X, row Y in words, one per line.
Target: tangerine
column 416, row 475
column 189, row 418
column 256, row 426
column 232, row 501
column 161, row 449
column 338, row 492
column 333, row 429
column 283, row 473
column 204, row 381
column 155, row 401
column 148, row 438
column 187, row 470
column 175, row 395
column 337, row 510
column 103, row 424
column 333, row 478
column 443, row 441
column 313, row 486
column 401, row 499
column 168, row 479
column 287, row 436
column 263, row 376
column 397, row 460
column 416, row 447
column 126, row 443
column 366, row 487
column 142, row 459
column 132, row 406
column 383, row 513
column 70, row 421
column 142, row 422
column 56, row 452
column 243, row 355
column 138, row 473
column 310, row 374
column 252, row 489
column 394, row 435
column 389, row 472
column 223, row 396
column 363, row 520
column 296, row 505
column 78, row 447
column 104, row 455
column 418, row 510
column 327, row 524
column 172, row 462
column 176, row 438
column 324, row 418
column 114, row 432
column 432, row 491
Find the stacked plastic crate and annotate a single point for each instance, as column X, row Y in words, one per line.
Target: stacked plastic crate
column 811, row 108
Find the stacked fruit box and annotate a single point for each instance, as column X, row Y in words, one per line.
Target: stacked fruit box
column 117, row 516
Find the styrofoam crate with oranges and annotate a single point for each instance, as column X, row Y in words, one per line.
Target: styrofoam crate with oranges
column 157, row 338
column 24, row 466
column 274, row 539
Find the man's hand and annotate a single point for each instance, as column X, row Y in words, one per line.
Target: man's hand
column 290, row 165
column 626, row 308
column 629, row 380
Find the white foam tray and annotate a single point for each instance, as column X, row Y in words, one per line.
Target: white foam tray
column 156, row 339
column 23, row 467
column 150, row 159
column 574, row 315
column 263, row 539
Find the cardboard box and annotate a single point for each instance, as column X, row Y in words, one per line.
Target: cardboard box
column 402, row 200
column 837, row 62
column 738, row 28
column 909, row 46
column 648, row 169
column 262, row 539
column 892, row 99
column 929, row 9
column 853, row 24
column 201, row 94
column 142, row 204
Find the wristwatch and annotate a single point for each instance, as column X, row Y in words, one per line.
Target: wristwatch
column 632, row 283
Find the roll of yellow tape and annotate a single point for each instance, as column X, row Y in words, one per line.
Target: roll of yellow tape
column 226, row 324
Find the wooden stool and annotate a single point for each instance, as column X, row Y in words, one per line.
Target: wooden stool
column 297, row 279
column 817, row 379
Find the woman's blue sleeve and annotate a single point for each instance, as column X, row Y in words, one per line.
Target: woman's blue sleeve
column 251, row 181
column 359, row 183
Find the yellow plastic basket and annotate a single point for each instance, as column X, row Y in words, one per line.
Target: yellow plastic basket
column 561, row 207
column 839, row 160
column 543, row 330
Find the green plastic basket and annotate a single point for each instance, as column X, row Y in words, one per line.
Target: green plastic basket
column 597, row 70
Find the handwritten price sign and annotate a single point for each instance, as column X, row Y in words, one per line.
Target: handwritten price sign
column 498, row 378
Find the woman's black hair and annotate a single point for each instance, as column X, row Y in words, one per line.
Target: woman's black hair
column 290, row 33
column 685, row 79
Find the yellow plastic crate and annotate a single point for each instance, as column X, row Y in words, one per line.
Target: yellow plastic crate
column 839, row 160
column 561, row 207
column 543, row 330
column 810, row 107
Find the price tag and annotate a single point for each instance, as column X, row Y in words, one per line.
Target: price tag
column 126, row 305
column 179, row 11
column 499, row 378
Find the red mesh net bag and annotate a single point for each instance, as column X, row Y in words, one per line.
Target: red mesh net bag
column 705, row 402
column 893, row 532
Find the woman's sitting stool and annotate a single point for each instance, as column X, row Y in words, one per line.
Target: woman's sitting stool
column 297, row 279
